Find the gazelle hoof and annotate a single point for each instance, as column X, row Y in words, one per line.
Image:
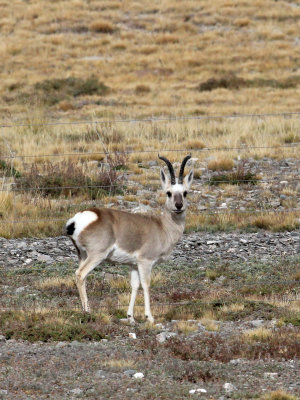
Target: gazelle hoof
column 150, row 318
column 131, row 319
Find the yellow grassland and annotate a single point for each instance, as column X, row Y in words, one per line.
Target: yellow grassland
column 166, row 46
column 152, row 56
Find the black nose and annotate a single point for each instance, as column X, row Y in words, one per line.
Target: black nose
column 178, row 205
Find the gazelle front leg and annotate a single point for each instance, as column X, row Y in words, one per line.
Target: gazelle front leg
column 135, row 284
column 144, row 269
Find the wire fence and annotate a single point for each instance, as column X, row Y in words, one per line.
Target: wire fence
column 155, row 119
column 11, row 187
column 221, row 212
column 127, row 152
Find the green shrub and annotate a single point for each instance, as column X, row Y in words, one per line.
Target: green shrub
column 52, row 91
column 69, row 179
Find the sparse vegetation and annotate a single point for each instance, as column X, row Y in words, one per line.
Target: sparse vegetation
column 237, row 177
column 110, row 61
column 52, row 91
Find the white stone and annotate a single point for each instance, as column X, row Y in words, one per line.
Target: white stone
column 270, row 375
column 132, row 335
column 163, row 336
column 76, row 391
column 138, row 375
column 229, row 387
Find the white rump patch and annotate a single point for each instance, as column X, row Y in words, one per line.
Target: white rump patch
column 82, row 220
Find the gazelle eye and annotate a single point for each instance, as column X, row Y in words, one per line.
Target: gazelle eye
column 185, row 193
column 169, row 194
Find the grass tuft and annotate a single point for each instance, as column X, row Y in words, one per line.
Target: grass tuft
column 51, row 326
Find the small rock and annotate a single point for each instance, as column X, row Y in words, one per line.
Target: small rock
column 236, row 361
column 76, row 391
column 270, row 375
column 20, row 289
column 257, row 323
column 163, row 336
column 131, row 390
column 3, row 392
column 132, row 335
column 61, row 344
column 100, row 374
column 138, row 375
column 142, row 208
column 75, row 343
column 130, row 372
column 229, row 387
column 44, row 258
column 2, row 338
column 152, row 163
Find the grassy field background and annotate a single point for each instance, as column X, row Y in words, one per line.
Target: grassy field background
column 90, row 93
column 75, row 61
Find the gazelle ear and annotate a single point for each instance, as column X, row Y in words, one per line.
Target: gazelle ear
column 164, row 179
column 188, row 179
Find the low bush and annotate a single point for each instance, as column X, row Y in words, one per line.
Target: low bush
column 69, row 179
column 281, row 344
column 233, row 82
column 51, row 326
column 8, row 170
column 53, row 91
column 238, row 177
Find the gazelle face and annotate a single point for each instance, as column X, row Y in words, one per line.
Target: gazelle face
column 176, row 195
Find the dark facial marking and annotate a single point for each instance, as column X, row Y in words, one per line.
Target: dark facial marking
column 178, row 200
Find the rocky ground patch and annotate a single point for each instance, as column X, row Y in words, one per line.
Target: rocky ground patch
column 227, row 322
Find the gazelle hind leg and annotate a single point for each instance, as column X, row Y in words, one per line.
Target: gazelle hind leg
column 145, row 277
column 85, row 267
column 135, row 284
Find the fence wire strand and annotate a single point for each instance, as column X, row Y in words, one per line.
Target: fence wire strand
column 170, row 118
column 222, row 211
column 106, row 153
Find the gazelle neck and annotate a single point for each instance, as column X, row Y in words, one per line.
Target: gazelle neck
column 176, row 220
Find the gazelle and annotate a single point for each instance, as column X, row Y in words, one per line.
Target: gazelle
column 135, row 239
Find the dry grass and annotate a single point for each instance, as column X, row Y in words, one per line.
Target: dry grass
column 144, row 66
column 278, row 395
column 56, row 282
column 119, row 363
column 160, row 51
column 257, row 335
column 223, row 164
column 186, row 327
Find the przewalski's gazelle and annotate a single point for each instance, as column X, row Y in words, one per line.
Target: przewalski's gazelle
column 135, row 239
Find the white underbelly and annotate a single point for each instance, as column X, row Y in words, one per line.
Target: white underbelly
column 118, row 255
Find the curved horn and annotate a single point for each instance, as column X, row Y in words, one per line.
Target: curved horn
column 185, row 160
column 171, row 169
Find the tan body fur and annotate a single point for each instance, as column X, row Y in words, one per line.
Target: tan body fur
column 134, row 239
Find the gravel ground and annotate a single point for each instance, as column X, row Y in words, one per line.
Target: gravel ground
column 202, row 247
column 87, row 370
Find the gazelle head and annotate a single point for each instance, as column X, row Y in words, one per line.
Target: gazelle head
column 176, row 189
